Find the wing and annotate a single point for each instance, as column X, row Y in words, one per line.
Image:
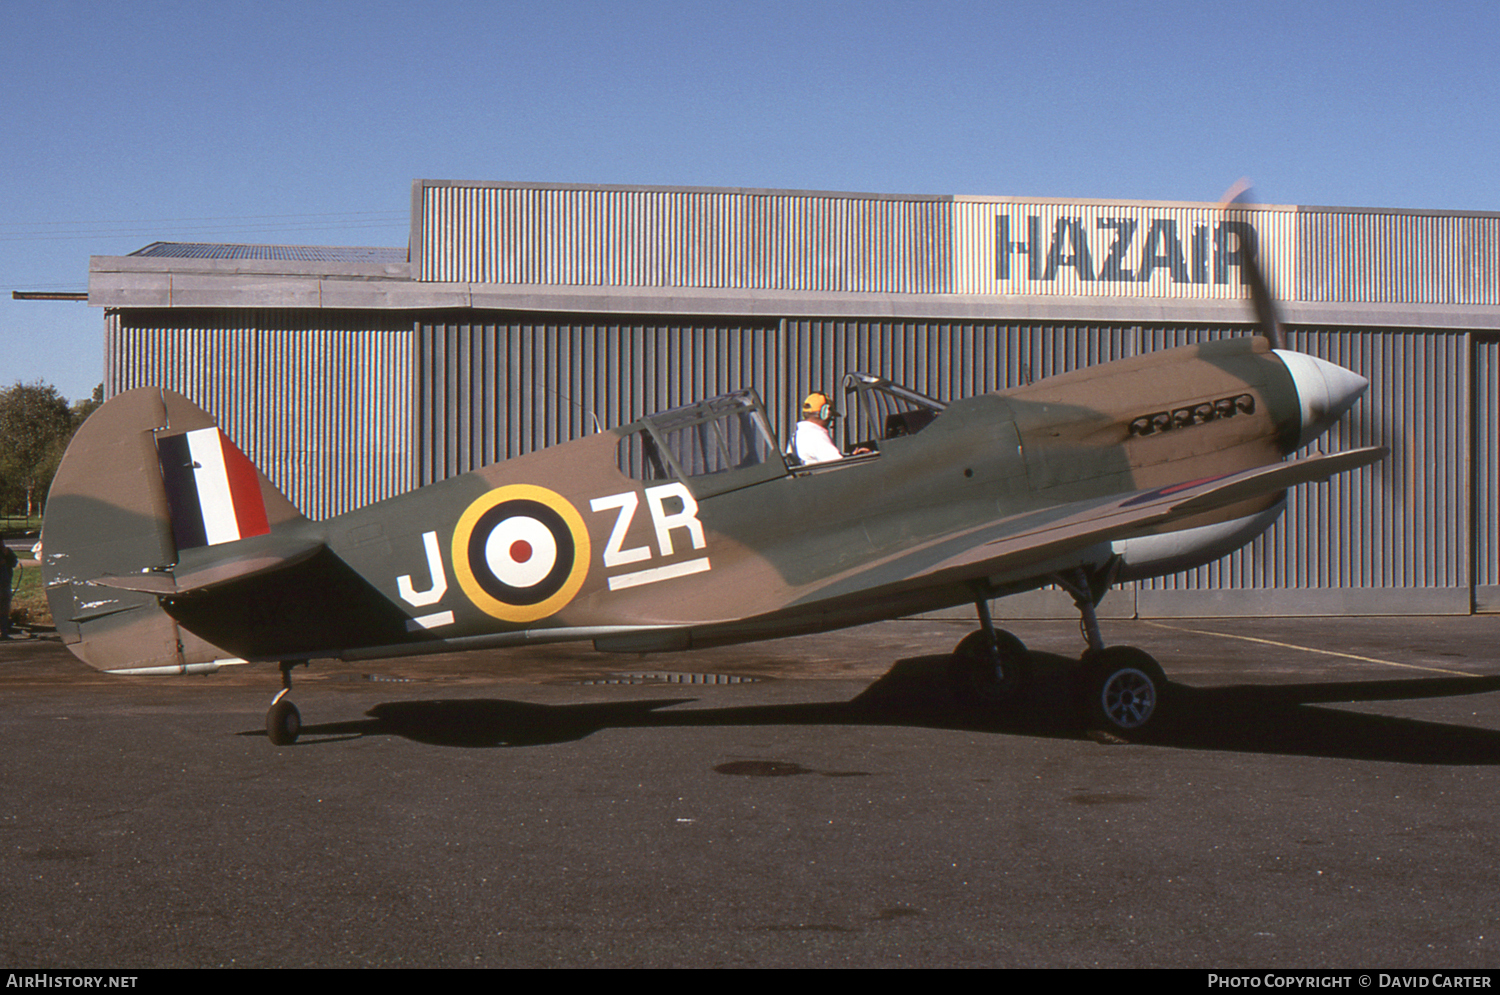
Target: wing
column 1010, row 544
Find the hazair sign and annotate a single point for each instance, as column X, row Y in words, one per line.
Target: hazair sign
column 1115, row 249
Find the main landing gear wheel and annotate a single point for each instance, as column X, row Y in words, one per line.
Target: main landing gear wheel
column 1120, row 691
column 987, row 671
column 283, row 723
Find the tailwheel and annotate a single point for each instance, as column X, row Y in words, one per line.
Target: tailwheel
column 1120, row 691
column 989, row 666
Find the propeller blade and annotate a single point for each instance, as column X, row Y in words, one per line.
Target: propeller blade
column 1260, row 293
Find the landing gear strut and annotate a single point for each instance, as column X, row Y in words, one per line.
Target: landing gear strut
column 990, row 665
column 283, row 721
column 1119, row 688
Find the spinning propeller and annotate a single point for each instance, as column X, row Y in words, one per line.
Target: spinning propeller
column 1260, row 293
column 1325, row 389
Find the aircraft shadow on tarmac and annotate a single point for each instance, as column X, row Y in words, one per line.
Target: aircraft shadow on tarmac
column 1279, row 719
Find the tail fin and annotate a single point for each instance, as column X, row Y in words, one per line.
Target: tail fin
column 148, row 477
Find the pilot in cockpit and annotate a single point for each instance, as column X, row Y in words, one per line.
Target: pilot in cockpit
column 811, row 440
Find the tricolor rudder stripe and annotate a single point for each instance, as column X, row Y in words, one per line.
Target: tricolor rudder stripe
column 212, row 487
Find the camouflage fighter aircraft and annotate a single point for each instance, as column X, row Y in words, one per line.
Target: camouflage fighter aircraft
column 167, row 551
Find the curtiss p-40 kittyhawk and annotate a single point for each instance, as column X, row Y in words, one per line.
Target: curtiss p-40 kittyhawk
column 167, row 551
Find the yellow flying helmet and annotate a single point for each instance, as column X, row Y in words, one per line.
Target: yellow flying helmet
column 817, row 404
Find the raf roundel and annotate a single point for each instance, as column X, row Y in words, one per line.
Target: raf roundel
column 521, row 552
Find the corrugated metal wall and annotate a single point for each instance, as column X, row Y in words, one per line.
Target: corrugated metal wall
column 682, row 238
column 1394, row 257
column 790, row 240
column 488, row 391
column 1486, row 473
column 321, row 401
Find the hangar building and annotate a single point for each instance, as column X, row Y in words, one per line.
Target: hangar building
column 523, row 315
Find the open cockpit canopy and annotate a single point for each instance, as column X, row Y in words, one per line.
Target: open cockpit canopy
column 886, row 409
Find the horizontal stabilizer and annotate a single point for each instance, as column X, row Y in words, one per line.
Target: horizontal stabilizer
column 253, row 558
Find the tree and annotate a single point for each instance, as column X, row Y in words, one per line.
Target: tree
column 35, row 426
column 82, row 409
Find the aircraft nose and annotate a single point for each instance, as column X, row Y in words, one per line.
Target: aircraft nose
column 1324, row 389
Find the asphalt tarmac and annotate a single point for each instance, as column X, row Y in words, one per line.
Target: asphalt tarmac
column 1308, row 804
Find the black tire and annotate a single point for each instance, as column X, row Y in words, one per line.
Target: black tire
column 1120, row 691
column 986, row 674
column 283, row 723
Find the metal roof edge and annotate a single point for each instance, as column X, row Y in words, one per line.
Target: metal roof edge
column 418, row 185
column 207, row 287
column 1405, row 211
column 332, row 269
column 273, row 251
column 1110, row 202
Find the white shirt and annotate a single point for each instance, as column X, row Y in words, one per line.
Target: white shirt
column 811, row 443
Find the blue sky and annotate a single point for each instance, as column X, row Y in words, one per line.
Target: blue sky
column 305, row 122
